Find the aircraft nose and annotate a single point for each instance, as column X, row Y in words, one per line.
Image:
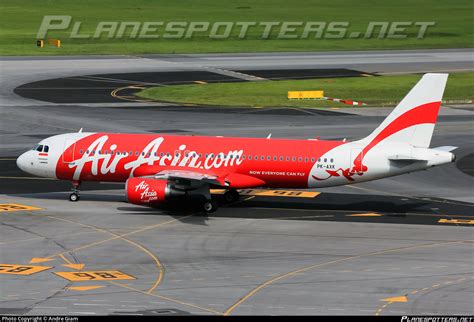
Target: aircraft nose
column 22, row 162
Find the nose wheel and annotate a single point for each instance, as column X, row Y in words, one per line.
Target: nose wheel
column 75, row 196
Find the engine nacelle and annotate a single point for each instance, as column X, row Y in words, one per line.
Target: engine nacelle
column 145, row 191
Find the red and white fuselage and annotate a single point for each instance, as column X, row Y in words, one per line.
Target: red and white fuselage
column 271, row 162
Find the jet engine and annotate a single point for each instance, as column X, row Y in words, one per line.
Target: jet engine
column 147, row 191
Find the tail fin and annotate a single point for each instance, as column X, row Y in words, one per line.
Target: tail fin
column 414, row 118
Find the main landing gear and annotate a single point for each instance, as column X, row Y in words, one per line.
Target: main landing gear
column 231, row 195
column 75, row 196
column 209, row 206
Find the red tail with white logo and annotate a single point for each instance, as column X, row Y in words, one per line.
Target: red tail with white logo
column 413, row 119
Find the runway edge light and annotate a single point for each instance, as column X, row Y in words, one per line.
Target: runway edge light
column 40, row 43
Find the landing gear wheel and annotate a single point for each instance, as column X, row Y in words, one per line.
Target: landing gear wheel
column 209, row 206
column 74, row 197
column 231, row 196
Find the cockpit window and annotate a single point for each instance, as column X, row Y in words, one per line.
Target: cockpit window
column 41, row 148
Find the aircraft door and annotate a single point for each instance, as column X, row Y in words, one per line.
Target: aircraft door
column 69, row 151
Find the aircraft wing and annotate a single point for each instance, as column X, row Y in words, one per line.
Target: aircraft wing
column 175, row 175
column 229, row 180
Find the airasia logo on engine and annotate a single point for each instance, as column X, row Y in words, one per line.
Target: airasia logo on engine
column 145, row 194
column 146, row 191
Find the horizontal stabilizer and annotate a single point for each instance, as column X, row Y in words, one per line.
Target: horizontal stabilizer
column 402, row 157
column 447, row 148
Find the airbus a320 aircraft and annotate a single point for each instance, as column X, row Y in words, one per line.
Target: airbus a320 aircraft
column 160, row 168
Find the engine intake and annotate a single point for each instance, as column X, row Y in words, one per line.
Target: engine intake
column 144, row 191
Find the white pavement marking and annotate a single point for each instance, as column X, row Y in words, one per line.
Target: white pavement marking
column 50, row 307
column 91, row 304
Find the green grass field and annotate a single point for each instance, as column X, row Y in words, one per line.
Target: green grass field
column 22, row 18
column 375, row 91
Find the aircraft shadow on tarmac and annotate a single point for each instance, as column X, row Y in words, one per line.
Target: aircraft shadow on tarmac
column 325, row 201
column 273, row 208
column 325, row 207
column 266, row 209
column 345, row 203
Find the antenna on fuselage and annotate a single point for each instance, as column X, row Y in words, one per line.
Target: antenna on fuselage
column 269, row 136
column 80, row 131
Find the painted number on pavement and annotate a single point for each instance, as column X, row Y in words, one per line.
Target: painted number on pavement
column 95, row 276
column 21, row 269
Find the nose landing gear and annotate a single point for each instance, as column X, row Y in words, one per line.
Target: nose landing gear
column 75, row 196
